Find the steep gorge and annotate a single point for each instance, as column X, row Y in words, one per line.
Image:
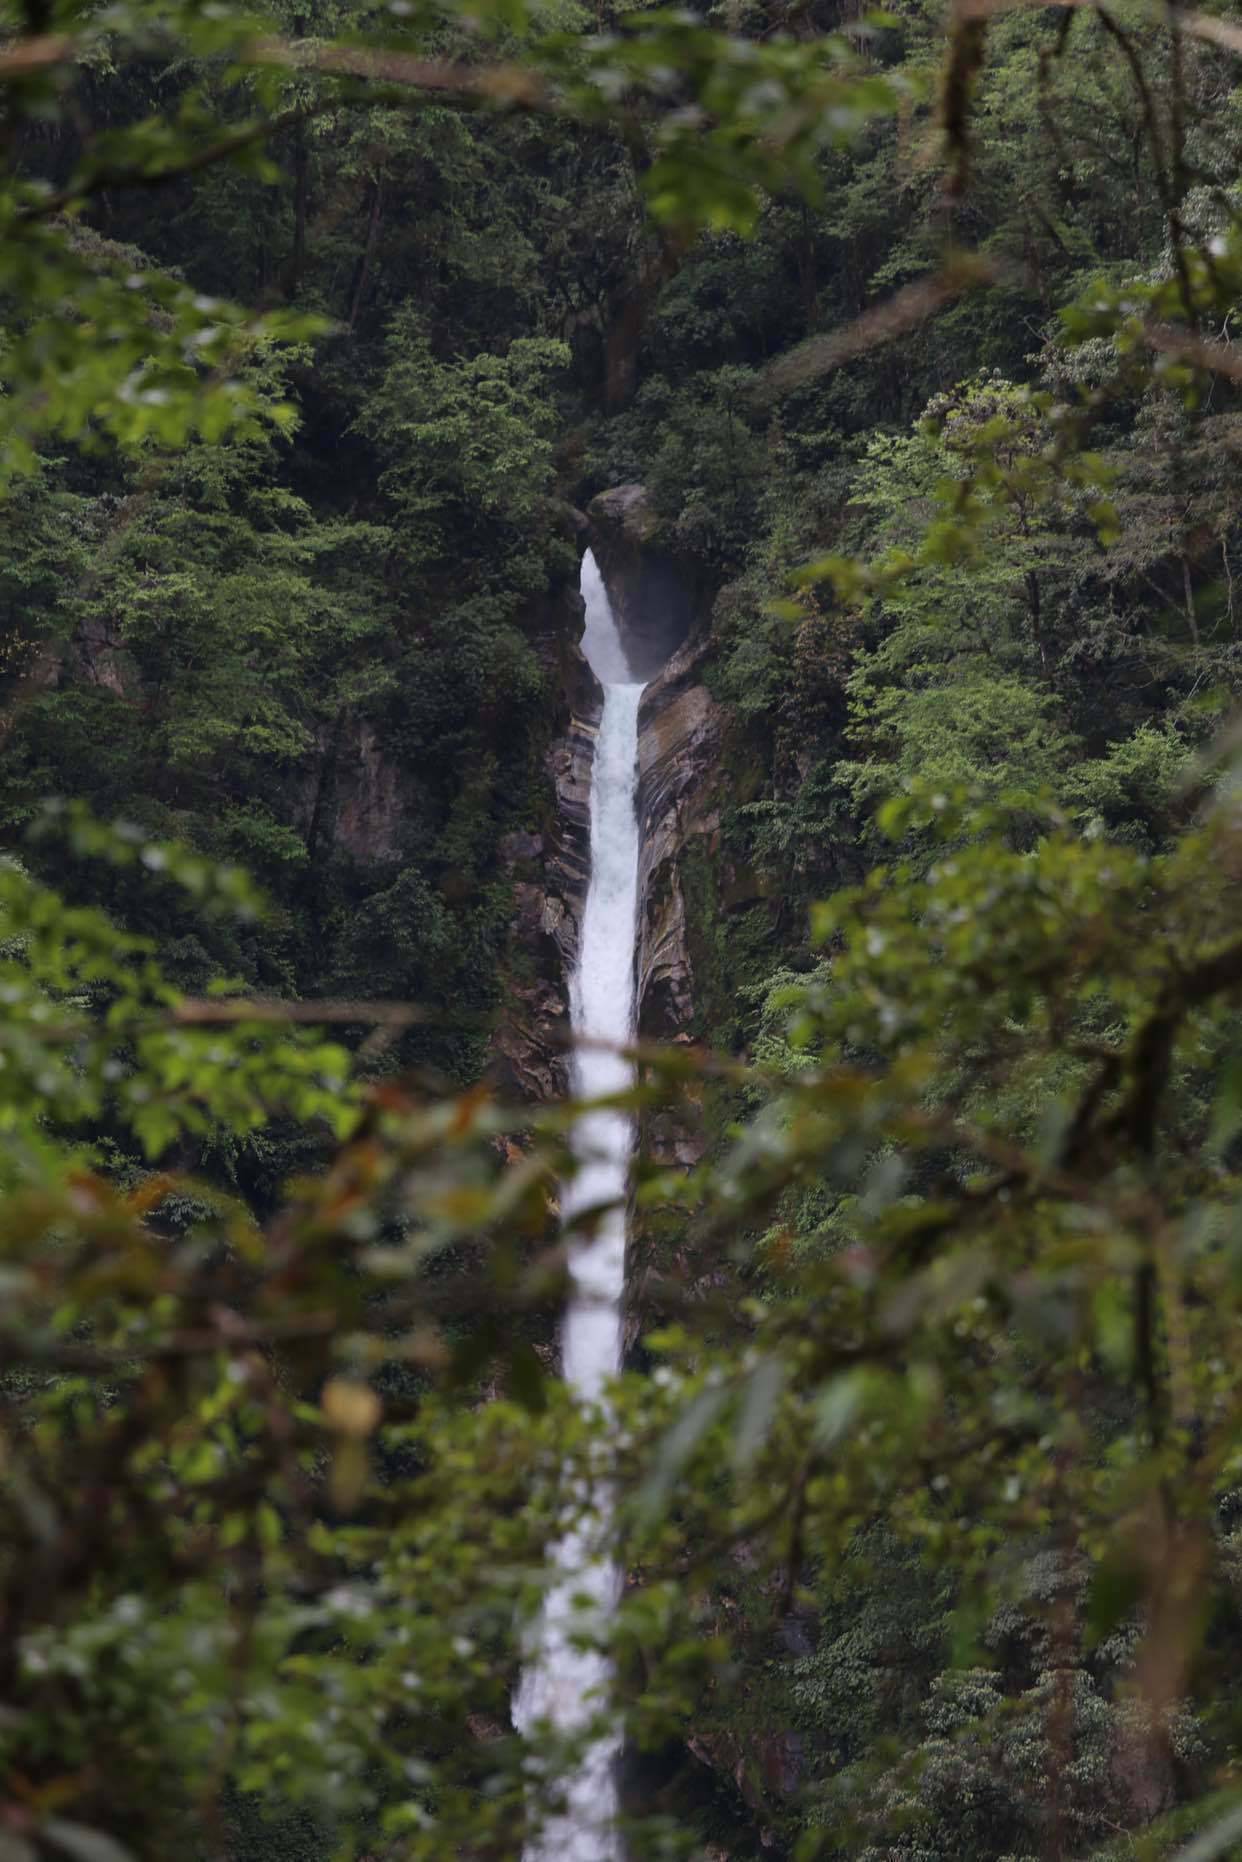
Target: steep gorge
column 629, row 769
column 660, row 609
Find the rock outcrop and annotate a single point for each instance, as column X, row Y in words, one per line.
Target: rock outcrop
column 360, row 802
column 550, row 872
column 679, row 733
column 653, row 595
column 567, row 870
column 97, row 655
column 529, row 1046
column 365, row 796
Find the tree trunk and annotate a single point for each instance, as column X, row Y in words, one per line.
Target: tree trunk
column 1036, row 611
column 1189, row 596
column 301, row 169
column 301, row 188
column 368, row 250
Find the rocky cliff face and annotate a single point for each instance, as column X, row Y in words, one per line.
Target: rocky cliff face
column 550, row 869
column 678, row 747
column 678, row 754
column 567, row 869
column 550, row 873
column 360, row 803
column 654, row 595
column 678, row 751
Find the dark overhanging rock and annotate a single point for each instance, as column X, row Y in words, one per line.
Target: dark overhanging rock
column 652, row 591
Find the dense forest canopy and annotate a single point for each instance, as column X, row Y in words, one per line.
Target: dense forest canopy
column 320, row 327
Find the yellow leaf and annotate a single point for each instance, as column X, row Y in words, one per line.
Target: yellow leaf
column 351, row 1408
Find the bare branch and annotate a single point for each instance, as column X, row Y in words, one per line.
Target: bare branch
column 202, row 1011
column 967, row 40
column 1202, row 352
column 51, row 1352
column 503, row 83
column 27, row 55
column 881, row 324
column 94, row 181
column 1223, row 32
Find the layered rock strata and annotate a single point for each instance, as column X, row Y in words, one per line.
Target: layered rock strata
column 679, row 735
column 679, row 744
column 550, row 871
column 653, row 594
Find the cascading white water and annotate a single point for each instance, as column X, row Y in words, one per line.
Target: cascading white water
column 564, row 1685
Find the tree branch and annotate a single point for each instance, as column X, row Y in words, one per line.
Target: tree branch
column 94, row 182
column 1152, row 1051
column 36, row 54
column 511, row 84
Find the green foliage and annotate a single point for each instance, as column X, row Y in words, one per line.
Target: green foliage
column 927, row 1487
column 470, row 445
column 97, row 1038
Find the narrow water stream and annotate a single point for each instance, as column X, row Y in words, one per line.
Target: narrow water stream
column 562, row 1684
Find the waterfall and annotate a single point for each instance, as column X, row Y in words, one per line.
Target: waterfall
column 561, row 1684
